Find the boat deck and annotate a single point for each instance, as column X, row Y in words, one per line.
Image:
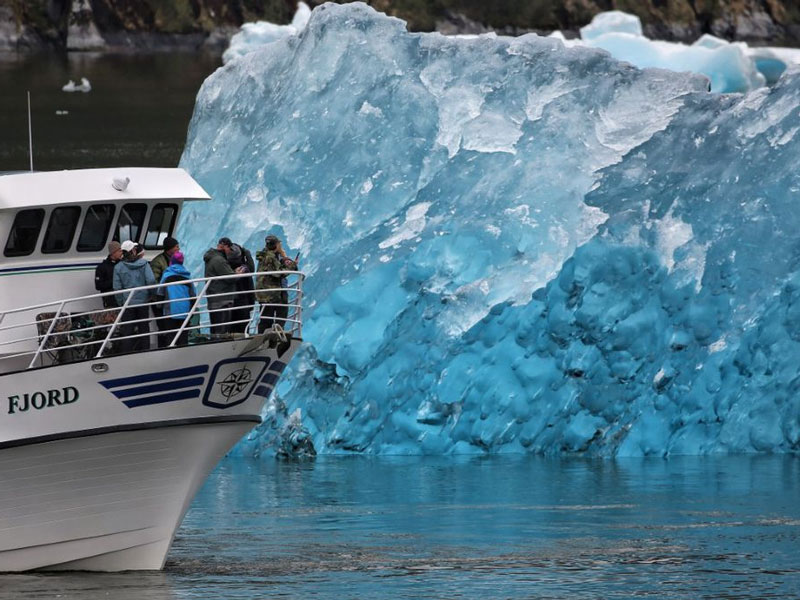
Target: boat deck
column 78, row 329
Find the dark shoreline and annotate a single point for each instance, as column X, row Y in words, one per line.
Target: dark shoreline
column 181, row 25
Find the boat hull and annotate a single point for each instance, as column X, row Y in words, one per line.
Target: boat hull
column 100, row 477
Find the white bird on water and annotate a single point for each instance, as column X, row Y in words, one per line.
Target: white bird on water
column 84, row 86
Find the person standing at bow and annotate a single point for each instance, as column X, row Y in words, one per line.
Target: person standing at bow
column 241, row 261
column 181, row 298
column 271, row 284
column 218, row 291
column 131, row 272
column 104, row 274
column 160, row 264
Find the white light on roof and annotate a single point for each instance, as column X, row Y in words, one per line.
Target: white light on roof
column 120, row 184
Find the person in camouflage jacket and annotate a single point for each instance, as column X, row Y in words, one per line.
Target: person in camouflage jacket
column 273, row 300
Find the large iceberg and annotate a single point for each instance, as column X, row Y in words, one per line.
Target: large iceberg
column 253, row 36
column 511, row 245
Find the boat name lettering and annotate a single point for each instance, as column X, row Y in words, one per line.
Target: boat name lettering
column 39, row 400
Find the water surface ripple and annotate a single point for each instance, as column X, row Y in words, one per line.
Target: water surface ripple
column 497, row 527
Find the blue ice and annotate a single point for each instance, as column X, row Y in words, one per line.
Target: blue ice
column 511, row 245
column 729, row 67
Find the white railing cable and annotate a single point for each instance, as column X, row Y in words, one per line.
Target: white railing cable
column 292, row 309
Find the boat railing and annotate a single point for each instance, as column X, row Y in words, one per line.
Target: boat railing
column 83, row 328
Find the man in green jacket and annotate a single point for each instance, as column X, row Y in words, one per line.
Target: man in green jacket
column 272, row 294
column 159, row 264
column 219, row 305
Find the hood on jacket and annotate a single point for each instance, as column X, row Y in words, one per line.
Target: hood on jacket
column 139, row 263
column 176, row 269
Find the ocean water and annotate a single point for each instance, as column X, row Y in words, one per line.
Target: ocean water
column 492, row 527
column 136, row 114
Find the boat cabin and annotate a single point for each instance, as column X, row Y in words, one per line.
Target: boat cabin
column 55, row 226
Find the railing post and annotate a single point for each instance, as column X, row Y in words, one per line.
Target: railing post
column 299, row 301
column 190, row 313
column 298, row 307
column 47, row 335
column 114, row 325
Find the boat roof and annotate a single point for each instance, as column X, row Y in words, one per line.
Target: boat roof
column 31, row 189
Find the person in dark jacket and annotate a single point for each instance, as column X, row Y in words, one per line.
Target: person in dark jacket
column 160, row 264
column 272, row 294
column 219, row 302
column 181, row 297
column 104, row 274
column 241, row 261
column 131, row 272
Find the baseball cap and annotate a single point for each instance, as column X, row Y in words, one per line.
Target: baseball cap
column 128, row 245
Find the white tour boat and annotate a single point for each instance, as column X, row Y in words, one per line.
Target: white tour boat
column 101, row 452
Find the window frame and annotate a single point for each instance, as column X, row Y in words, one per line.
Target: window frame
column 170, row 230
column 109, row 226
column 43, row 215
column 116, row 236
column 71, row 241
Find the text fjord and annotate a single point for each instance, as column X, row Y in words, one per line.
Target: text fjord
column 39, row 400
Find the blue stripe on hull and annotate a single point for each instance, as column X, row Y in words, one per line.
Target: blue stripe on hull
column 125, row 381
column 169, row 386
column 162, row 398
column 263, row 391
column 277, row 366
column 270, row 378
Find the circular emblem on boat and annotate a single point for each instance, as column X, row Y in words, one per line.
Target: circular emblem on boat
column 235, row 383
column 233, row 380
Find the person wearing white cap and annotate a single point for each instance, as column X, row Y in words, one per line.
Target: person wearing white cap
column 131, row 272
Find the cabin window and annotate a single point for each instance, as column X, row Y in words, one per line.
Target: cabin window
column 162, row 220
column 96, row 226
column 131, row 221
column 61, row 229
column 25, row 232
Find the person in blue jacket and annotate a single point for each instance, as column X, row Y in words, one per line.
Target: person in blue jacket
column 131, row 272
column 181, row 297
